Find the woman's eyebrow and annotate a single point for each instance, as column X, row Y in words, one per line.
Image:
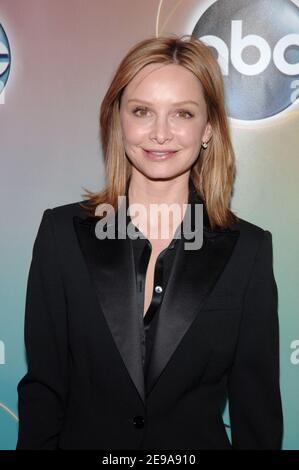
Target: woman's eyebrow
column 179, row 103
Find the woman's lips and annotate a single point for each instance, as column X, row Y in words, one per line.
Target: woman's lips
column 158, row 156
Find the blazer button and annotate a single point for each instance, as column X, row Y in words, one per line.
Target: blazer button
column 138, row 421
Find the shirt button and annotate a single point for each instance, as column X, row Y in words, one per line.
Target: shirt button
column 138, row 421
column 158, row 289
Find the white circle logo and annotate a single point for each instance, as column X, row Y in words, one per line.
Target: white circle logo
column 5, row 58
column 258, row 53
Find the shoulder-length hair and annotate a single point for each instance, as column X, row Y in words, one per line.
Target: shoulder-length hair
column 214, row 171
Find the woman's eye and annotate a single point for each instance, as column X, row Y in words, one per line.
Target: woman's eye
column 140, row 112
column 185, row 114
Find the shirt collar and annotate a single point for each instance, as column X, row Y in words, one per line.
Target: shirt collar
column 193, row 199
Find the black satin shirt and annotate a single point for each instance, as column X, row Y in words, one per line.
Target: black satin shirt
column 142, row 251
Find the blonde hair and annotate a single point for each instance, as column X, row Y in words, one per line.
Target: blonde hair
column 214, row 171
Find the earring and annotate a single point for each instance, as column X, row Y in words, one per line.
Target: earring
column 205, row 145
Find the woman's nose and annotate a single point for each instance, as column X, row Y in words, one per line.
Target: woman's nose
column 161, row 130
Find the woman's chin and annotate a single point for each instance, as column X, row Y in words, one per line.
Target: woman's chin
column 159, row 174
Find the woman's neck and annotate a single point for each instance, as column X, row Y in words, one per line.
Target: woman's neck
column 149, row 194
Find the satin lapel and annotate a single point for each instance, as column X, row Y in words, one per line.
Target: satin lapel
column 111, row 266
column 195, row 274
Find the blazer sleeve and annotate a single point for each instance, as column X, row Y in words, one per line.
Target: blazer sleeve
column 42, row 391
column 253, row 387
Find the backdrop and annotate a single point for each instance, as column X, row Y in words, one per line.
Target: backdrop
column 57, row 58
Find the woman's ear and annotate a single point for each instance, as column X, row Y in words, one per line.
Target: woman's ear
column 207, row 133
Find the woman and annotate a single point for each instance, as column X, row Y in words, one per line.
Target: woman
column 136, row 342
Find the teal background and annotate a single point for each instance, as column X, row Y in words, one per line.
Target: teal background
column 50, row 150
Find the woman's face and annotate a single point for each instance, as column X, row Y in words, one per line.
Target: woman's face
column 163, row 109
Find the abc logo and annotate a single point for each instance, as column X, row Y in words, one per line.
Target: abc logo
column 4, row 59
column 257, row 46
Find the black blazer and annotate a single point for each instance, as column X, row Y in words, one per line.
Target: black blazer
column 217, row 337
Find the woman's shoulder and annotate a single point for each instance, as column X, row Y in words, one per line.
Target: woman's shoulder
column 62, row 217
column 66, row 212
column 250, row 234
column 248, row 226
